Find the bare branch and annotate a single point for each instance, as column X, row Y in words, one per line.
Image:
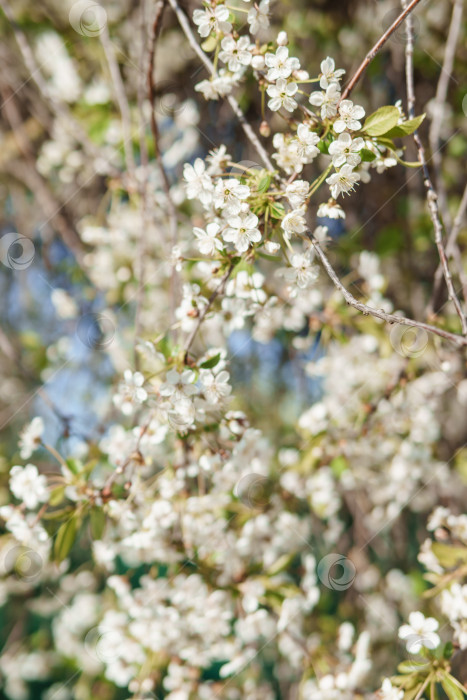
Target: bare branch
column 452, row 250
column 431, row 195
column 121, row 98
column 250, row 134
column 376, row 48
column 379, row 313
column 218, row 290
column 440, row 100
column 172, row 211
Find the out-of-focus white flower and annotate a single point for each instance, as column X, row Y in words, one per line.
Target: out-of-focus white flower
column 30, row 437
column 130, row 392
column 208, row 243
column 199, row 184
column 420, row 632
column 258, row 18
column 28, row 486
column 215, row 386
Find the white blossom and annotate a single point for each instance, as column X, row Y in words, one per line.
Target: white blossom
column 420, row 632
column 235, row 53
column 199, row 184
column 294, row 222
column 242, row 231
column 281, row 95
column 280, row 64
column 28, row 486
column 258, row 17
column 349, row 115
column 329, row 74
column 30, row 437
column 345, row 150
column 208, row 243
column 327, row 100
column 212, row 20
column 343, row 181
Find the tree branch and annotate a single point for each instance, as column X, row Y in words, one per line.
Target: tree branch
column 379, row 313
column 376, row 48
column 250, row 134
column 211, row 300
column 151, row 87
column 431, row 195
column 440, row 99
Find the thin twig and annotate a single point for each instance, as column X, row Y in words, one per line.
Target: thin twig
column 218, row 290
column 376, row 48
column 431, row 195
column 250, row 134
column 452, row 249
column 144, row 158
column 440, row 101
column 122, row 100
column 379, row 313
column 171, row 209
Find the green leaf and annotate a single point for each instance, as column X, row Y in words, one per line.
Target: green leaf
column 451, row 689
column 212, row 362
column 448, row 650
column 449, row 556
column 412, row 666
column 57, row 495
column 381, row 121
column 210, row 44
column 97, row 521
column 65, row 537
column 406, row 128
column 277, row 210
column 412, row 693
column 74, row 465
column 366, row 155
column 263, row 184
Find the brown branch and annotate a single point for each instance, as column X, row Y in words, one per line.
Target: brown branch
column 379, row 313
column 250, row 134
column 218, row 290
column 376, row 48
column 440, row 100
column 431, row 195
column 121, row 97
column 172, row 211
column 452, row 249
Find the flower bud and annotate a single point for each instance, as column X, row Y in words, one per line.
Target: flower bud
column 264, row 129
column 282, row 39
column 258, row 62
